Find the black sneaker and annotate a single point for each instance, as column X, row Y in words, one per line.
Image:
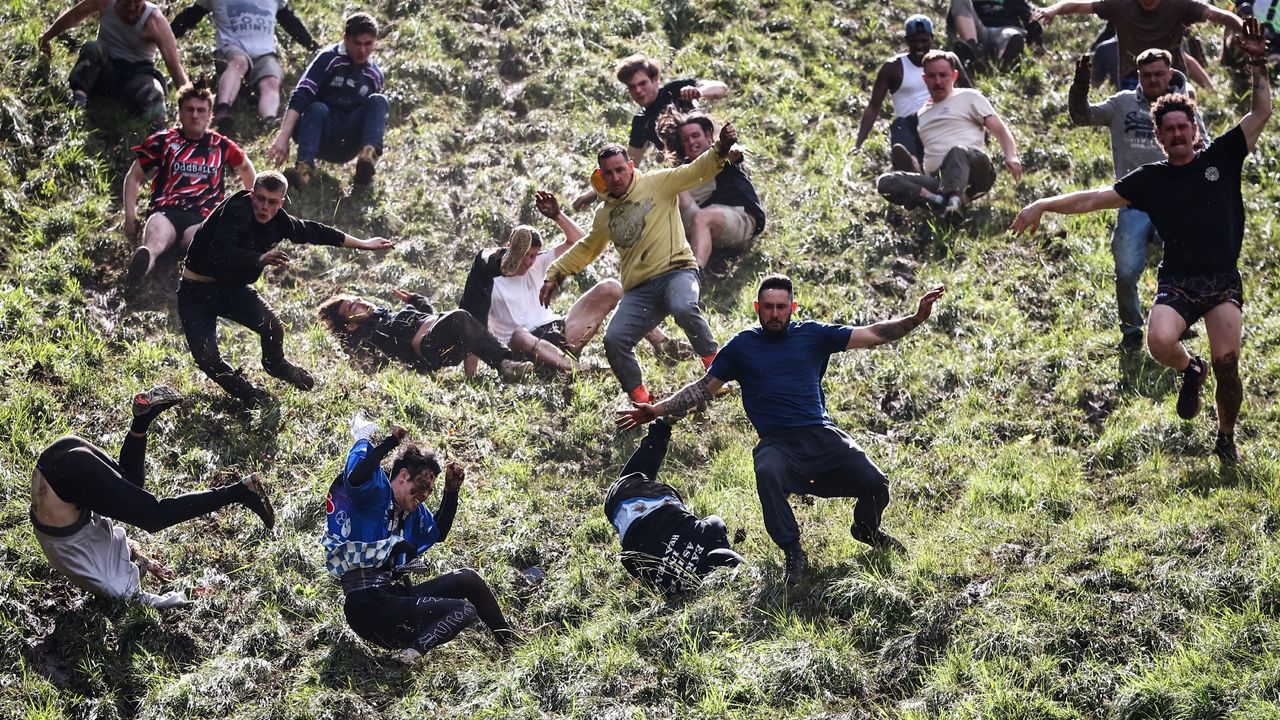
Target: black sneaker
column 1012, row 56
column 876, row 538
column 139, row 265
column 971, row 56
column 1225, row 449
column 796, row 566
column 1130, row 342
column 901, row 159
column 259, row 502
column 1192, row 380
column 292, row 374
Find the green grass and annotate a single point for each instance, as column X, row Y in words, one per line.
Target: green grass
column 1074, row 551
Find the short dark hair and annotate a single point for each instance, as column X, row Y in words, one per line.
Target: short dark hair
column 939, row 54
column 609, row 151
column 198, row 89
column 361, row 23
column 632, row 64
column 271, row 181
column 1150, row 55
column 416, row 460
column 775, row 281
column 1173, row 102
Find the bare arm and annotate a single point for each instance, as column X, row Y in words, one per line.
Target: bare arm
column 374, row 243
column 129, row 196
column 712, row 89
column 246, row 172
column 692, row 396
column 1228, row 20
column 876, row 102
column 887, row 331
column 69, row 18
column 996, row 127
column 1065, row 7
column 1081, row 201
column 278, row 153
column 161, row 34
column 1260, row 110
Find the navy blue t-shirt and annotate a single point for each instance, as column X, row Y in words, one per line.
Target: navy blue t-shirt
column 781, row 376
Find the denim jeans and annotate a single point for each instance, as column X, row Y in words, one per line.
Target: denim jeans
column 338, row 136
column 902, row 131
column 1129, row 248
column 642, row 307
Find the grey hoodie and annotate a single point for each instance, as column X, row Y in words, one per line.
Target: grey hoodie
column 1128, row 114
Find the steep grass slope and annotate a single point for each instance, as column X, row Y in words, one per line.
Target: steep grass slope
column 1074, row 552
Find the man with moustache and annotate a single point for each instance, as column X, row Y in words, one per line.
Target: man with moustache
column 780, row 366
column 1195, row 203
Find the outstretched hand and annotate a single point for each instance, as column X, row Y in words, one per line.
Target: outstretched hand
column 1042, row 15
column 1084, row 67
column 584, row 200
column 925, row 307
column 278, row 153
column 454, row 475
column 547, row 204
column 399, row 433
column 548, row 292
column 1028, row 220
column 276, row 257
column 376, row 243
column 1251, row 39
column 641, row 414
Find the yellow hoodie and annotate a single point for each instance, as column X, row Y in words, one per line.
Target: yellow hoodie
column 644, row 224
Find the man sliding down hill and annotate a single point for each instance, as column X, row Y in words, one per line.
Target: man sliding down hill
column 1194, row 201
column 228, row 254
column 662, row 542
column 377, row 525
column 780, row 367
column 77, row 490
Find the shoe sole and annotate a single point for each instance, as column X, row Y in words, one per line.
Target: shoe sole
column 268, row 515
column 144, row 402
column 365, row 170
column 138, row 266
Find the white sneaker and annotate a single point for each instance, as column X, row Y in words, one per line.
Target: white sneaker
column 362, row 429
column 408, row 656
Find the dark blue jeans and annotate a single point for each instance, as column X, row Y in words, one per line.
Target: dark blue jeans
column 903, row 131
column 338, row 136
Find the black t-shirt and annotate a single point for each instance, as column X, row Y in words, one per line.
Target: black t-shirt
column 644, row 129
column 734, row 188
column 1197, row 208
column 1002, row 13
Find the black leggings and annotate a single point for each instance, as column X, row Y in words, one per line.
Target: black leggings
column 81, row 473
column 426, row 615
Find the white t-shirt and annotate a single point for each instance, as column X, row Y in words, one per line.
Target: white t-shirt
column 247, row 24
column 958, row 121
column 515, row 300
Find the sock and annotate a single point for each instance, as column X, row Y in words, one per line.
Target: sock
column 640, row 394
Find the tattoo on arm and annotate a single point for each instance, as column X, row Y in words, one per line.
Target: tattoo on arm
column 692, row 396
column 891, row 330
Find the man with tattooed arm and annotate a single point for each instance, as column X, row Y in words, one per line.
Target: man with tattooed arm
column 779, row 366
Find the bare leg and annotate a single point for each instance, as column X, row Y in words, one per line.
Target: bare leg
column 707, row 224
column 269, row 97
column 229, row 82
column 158, row 236
column 588, row 313
column 543, row 352
column 1223, row 326
column 469, row 365
column 966, row 30
column 1164, row 327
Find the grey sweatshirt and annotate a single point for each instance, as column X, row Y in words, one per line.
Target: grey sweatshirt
column 1128, row 114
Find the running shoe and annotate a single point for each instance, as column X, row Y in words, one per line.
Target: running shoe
column 902, row 160
column 258, row 502
column 875, row 537
column 366, row 166
column 292, row 374
column 1225, row 449
column 1192, row 380
column 1012, row 56
column 514, row 370
column 796, row 566
column 139, row 265
column 154, row 400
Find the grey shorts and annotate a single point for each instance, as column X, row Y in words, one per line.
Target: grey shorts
column 263, row 66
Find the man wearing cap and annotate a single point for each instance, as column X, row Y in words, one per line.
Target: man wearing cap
column 902, row 77
column 502, row 292
column 953, row 126
column 641, row 216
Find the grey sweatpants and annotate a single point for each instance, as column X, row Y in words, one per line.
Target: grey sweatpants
column 818, row 460
column 964, row 170
column 642, row 307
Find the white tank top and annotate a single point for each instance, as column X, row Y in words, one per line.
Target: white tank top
column 912, row 94
column 125, row 42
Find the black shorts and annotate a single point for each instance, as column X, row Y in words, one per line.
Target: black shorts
column 179, row 218
column 1191, row 296
column 552, row 332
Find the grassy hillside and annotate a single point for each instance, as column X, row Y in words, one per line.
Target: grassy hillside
column 1074, row 550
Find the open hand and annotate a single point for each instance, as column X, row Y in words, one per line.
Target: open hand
column 1043, row 15
column 377, row 243
column 1084, row 67
column 278, row 153
column 454, row 475
column 1014, row 166
column 1251, row 39
column 547, row 204
column 925, row 307
column 639, row 415
column 1028, row 220
column 274, row 257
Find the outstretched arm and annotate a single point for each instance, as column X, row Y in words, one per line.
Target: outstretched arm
column 1081, row 201
column 550, row 209
column 1064, row 7
column 1260, row 111
column 878, row 91
column 69, row 18
column 1228, row 20
column 374, row 243
column 694, row 395
column 887, row 331
column 162, row 35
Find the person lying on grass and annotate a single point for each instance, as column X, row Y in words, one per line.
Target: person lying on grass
column 663, row 543
column 415, row 334
column 377, row 525
column 79, row 493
